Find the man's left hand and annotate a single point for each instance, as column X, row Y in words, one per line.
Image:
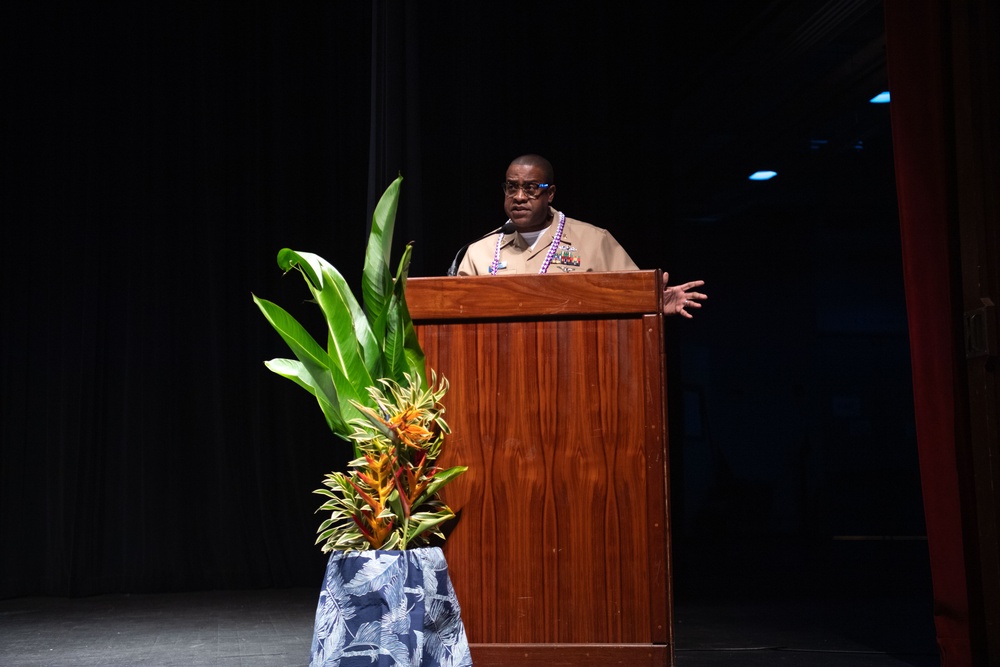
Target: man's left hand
column 678, row 298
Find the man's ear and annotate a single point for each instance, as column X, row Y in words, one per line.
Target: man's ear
column 551, row 192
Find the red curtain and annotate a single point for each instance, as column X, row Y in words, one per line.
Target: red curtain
column 917, row 47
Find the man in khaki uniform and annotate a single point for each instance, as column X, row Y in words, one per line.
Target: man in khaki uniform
column 581, row 247
column 539, row 239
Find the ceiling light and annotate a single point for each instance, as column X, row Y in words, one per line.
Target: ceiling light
column 881, row 98
column 763, row 175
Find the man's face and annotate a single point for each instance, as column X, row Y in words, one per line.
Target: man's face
column 529, row 214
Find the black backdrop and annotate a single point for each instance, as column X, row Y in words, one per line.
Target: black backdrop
column 162, row 153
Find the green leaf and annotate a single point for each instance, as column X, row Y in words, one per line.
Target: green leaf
column 415, row 361
column 421, row 522
column 400, row 334
column 395, row 503
column 308, row 263
column 315, row 371
column 376, row 284
column 395, row 358
column 349, row 337
column 319, row 383
column 441, row 478
column 303, row 345
column 343, row 342
column 392, row 542
column 373, row 417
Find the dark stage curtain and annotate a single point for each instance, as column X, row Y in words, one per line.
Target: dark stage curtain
column 162, row 154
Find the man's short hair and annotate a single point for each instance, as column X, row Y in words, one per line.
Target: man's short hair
column 533, row 160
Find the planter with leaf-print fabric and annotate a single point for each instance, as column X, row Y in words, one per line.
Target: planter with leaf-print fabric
column 389, row 608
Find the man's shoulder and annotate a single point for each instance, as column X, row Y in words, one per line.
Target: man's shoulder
column 581, row 228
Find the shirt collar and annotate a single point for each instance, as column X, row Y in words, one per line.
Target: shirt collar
column 544, row 241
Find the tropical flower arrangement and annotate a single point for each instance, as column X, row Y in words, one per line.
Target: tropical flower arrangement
column 389, row 499
column 371, row 384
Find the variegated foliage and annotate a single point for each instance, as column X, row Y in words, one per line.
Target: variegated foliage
column 389, row 497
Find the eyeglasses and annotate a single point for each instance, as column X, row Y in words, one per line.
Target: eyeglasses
column 531, row 190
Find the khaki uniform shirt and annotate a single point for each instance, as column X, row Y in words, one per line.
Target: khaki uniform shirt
column 583, row 247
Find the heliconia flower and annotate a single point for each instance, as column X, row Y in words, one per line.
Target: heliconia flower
column 363, row 528
column 406, row 425
column 368, row 499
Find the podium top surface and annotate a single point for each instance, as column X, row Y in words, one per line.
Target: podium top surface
column 591, row 294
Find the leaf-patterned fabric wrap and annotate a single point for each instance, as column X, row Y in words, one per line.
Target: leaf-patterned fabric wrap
column 389, row 608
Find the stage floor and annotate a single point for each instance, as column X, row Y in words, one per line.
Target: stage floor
column 273, row 628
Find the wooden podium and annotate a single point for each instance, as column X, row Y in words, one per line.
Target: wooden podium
column 560, row 554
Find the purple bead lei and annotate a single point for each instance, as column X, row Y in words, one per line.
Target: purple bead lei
column 495, row 265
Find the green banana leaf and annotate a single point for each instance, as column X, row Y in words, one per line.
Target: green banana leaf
column 312, row 382
column 376, row 283
column 416, row 363
column 315, row 371
column 365, row 342
column 395, row 332
column 345, row 342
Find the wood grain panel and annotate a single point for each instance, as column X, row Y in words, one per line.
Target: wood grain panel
column 562, row 535
column 573, row 295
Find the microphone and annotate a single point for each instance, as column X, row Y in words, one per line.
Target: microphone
column 506, row 228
